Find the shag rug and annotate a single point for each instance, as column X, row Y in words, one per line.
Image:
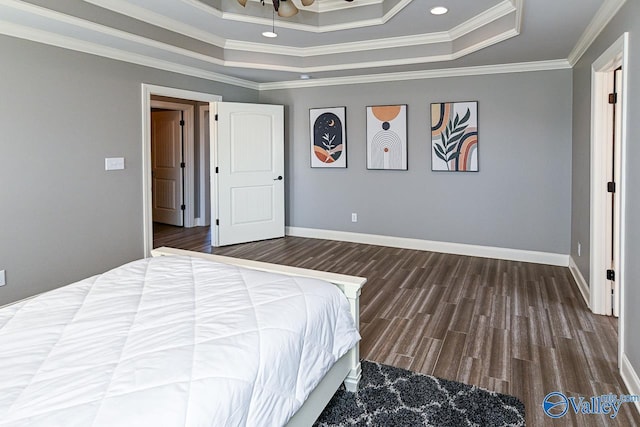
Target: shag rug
column 389, row 396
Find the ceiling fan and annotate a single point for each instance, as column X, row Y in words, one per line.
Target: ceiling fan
column 285, row 8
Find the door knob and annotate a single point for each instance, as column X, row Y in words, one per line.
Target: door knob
column 279, row 178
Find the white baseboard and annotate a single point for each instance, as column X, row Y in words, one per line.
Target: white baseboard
column 630, row 378
column 433, row 246
column 200, row 222
column 579, row 278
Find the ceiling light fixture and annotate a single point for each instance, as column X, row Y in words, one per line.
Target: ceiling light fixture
column 438, row 10
column 284, row 8
column 271, row 34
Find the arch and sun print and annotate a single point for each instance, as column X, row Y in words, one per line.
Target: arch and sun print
column 387, row 137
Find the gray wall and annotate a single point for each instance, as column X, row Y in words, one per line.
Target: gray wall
column 62, row 216
column 520, row 198
column 626, row 20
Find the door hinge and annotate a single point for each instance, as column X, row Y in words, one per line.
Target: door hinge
column 183, row 165
column 613, row 98
column 181, row 122
column 217, row 222
column 611, row 275
column 216, row 118
column 611, row 187
column 183, row 207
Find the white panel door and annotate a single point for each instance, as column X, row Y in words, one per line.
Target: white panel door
column 249, row 157
column 166, row 170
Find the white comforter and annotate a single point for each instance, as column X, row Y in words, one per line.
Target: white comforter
column 170, row 341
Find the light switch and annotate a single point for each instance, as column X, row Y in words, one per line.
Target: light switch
column 114, row 163
column 3, row 279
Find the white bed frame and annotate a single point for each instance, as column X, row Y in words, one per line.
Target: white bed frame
column 347, row 369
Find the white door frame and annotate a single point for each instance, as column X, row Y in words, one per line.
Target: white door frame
column 147, row 91
column 204, row 220
column 601, row 132
column 188, row 148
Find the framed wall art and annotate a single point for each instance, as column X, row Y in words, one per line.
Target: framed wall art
column 454, row 136
column 387, row 137
column 328, row 130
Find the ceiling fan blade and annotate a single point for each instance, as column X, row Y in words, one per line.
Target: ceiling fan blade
column 287, row 9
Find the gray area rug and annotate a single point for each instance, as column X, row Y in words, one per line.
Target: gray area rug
column 389, row 396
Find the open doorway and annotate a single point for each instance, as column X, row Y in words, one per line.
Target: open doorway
column 246, row 161
column 192, row 176
column 179, row 186
column 608, row 147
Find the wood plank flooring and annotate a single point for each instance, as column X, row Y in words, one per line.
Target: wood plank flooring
column 512, row 327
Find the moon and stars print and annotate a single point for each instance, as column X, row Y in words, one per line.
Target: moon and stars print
column 328, row 137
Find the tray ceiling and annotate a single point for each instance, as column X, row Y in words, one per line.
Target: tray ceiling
column 328, row 39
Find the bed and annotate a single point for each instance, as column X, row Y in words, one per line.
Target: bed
column 181, row 338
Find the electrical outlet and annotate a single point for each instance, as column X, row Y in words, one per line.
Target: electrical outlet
column 3, row 280
column 579, row 249
column 354, row 217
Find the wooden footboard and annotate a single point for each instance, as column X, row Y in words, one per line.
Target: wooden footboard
column 347, row 369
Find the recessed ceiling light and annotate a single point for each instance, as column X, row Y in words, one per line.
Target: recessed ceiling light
column 439, row 10
column 270, row 34
column 305, row 76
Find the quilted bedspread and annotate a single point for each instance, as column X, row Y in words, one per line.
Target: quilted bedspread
column 170, row 341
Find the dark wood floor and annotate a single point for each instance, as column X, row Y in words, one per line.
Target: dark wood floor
column 511, row 327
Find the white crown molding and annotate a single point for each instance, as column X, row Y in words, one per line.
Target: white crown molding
column 342, row 67
column 58, row 40
column 485, row 43
column 332, row 5
column 171, row 64
column 433, row 246
column 630, row 378
column 559, row 64
column 482, row 19
column 375, row 64
column 155, row 19
column 303, row 27
column 45, row 37
column 295, row 25
column 519, row 5
column 583, row 286
column 485, row 18
column 505, row 7
column 318, row 7
column 109, row 31
column 606, row 12
column 349, row 47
